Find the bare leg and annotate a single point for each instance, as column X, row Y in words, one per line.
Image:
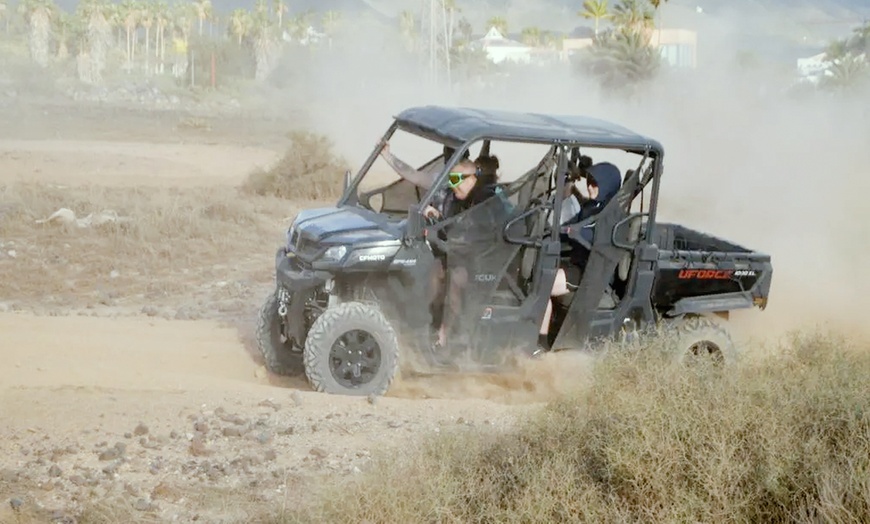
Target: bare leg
column 560, row 287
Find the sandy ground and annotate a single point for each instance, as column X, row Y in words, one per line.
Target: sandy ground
column 153, row 413
column 140, row 406
column 115, row 163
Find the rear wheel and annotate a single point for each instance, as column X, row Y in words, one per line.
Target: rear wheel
column 276, row 350
column 703, row 340
column 351, row 349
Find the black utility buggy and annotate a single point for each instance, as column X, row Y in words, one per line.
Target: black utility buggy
column 352, row 301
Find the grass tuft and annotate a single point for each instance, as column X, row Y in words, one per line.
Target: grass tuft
column 780, row 438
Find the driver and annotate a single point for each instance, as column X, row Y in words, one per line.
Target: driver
column 469, row 236
column 603, row 181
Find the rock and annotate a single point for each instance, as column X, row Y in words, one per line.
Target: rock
column 394, row 424
column 318, row 452
column 110, row 454
column 269, row 404
column 78, row 480
column 16, row 503
column 198, row 448
column 54, row 471
column 140, row 430
column 232, row 432
column 151, row 311
column 7, row 475
column 264, row 437
column 290, row 430
column 270, row 455
column 143, row 505
column 372, row 399
column 148, row 444
column 111, row 469
column 201, row 427
column 233, row 419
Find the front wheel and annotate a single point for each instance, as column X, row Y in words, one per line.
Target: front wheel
column 351, row 349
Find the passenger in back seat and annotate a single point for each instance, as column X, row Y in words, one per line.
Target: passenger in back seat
column 603, row 181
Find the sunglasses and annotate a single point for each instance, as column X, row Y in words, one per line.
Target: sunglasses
column 454, row 178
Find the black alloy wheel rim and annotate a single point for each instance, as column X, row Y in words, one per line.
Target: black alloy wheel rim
column 706, row 348
column 355, row 358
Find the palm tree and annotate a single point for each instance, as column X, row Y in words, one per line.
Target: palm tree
column 634, row 15
column 860, row 41
column 240, row 24
column 92, row 60
column 161, row 20
column 847, row 71
column 408, row 29
column 63, row 27
column 451, row 8
column 500, row 23
column 146, row 20
column 466, row 30
column 203, row 9
column 299, row 25
column 531, row 36
column 264, row 44
column 624, row 60
column 330, row 22
column 129, row 15
column 552, row 40
column 4, row 14
column 39, row 14
column 280, row 8
column 595, row 10
column 836, row 50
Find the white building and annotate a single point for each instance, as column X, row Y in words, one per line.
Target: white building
column 812, row 69
column 500, row 49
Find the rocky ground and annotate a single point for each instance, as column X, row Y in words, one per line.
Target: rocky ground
column 132, row 391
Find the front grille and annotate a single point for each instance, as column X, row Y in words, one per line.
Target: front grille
column 305, row 248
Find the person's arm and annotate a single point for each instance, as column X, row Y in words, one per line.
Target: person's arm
column 403, row 169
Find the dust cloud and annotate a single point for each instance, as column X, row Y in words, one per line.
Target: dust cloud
column 749, row 156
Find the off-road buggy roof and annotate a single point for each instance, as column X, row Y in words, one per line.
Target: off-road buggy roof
column 457, row 125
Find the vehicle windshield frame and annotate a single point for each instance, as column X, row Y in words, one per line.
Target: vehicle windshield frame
column 655, row 153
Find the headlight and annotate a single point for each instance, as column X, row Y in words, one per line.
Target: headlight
column 334, row 254
column 290, row 233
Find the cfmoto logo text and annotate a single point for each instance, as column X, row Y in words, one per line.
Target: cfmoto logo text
column 372, row 258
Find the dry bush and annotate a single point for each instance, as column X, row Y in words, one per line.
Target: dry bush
column 167, row 232
column 308, row 170
column 782, row 439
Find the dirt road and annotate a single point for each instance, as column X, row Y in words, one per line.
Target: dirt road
column 109, row 405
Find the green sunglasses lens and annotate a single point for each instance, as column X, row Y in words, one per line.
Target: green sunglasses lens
column 455, row 179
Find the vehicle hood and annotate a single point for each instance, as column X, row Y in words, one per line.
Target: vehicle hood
column 347, row 224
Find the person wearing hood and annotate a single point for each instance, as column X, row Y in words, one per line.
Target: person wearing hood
column 603, row 181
